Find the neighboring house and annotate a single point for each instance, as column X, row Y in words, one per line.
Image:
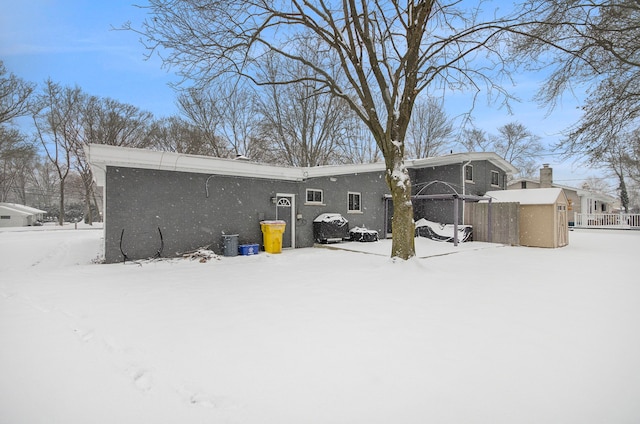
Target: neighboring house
column 543, row 215
column 581, row 201
column 15, row 215
column 162, row 203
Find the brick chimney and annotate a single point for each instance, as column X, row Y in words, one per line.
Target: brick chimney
column 546, row 176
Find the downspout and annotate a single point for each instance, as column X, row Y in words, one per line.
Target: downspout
column 464, row 189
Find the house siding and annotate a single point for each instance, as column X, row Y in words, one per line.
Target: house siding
column 443, row 210
column 186, row 211
column 372, row 188
column 170, row 203
column 141, row 201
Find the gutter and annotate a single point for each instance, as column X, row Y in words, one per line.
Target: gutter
column 464, row 188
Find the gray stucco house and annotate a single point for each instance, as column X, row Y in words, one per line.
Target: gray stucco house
column 162, row 203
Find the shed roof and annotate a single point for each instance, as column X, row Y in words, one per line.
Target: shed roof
column 100, row 156
column 534, row 196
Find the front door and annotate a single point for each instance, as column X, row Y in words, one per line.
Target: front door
column 285, row 211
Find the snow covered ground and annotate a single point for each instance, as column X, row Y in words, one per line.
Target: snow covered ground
column 475, row 334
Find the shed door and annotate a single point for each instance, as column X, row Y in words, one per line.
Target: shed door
column 562, row 226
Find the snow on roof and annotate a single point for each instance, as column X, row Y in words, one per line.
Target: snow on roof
column 100, row 156
column 13, row 211
column 533, row 196
column 330, row 217
column 28, row 210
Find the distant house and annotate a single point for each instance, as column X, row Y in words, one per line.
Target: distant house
column 542, row 215
column 162, row 203
column 15, row 215
column 579, row 200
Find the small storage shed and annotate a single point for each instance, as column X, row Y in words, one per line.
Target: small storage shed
column 15, row 215
column 543, row 215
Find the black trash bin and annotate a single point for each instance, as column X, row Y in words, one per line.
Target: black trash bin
column 330, row 228
column 230, row 243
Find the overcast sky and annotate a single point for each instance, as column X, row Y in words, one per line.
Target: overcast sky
column 73, row 43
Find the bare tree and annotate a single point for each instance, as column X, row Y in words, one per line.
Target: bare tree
column 388, row 53
column 631, row 157
column 57, row 120
column 475, row 140
column 44, row 183
column 617, row 160
column 16, row 155
column 14, row 96
column 16, row 152
column 105, row 121
column 517, row 145
column 300, row 120
column 595, row 46
column 239, row 119
column 430, row 129
column 513, row 142
column 357, row 145
column 201, row 108
column 174, row 134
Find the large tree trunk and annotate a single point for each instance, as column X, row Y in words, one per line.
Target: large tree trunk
column 403, row 227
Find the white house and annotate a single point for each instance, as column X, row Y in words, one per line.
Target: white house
column 15, row 215
column 580, row 201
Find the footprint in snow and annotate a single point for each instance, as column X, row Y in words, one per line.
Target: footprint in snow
column 142, row 379
column 83, row 335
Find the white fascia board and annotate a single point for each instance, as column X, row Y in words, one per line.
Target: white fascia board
column 330, row 170
column 101, row 156
column 24, row 208
column 456, row 158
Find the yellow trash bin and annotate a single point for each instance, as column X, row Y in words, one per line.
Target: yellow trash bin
column 272, row 234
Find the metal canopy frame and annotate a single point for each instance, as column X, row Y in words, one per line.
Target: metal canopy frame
column 457, row 198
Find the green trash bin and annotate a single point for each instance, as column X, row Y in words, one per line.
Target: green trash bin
column 272, row 235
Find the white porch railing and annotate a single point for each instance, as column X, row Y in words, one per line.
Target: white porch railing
column 607, row 220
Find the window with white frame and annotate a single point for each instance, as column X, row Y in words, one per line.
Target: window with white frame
column 495, row 178
column 468, row 173
column 314, row 196
column 354, row 202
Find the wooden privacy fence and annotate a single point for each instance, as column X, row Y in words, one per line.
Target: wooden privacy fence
column 494, row 222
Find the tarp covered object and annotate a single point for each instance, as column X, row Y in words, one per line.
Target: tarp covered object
column 442, row 232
